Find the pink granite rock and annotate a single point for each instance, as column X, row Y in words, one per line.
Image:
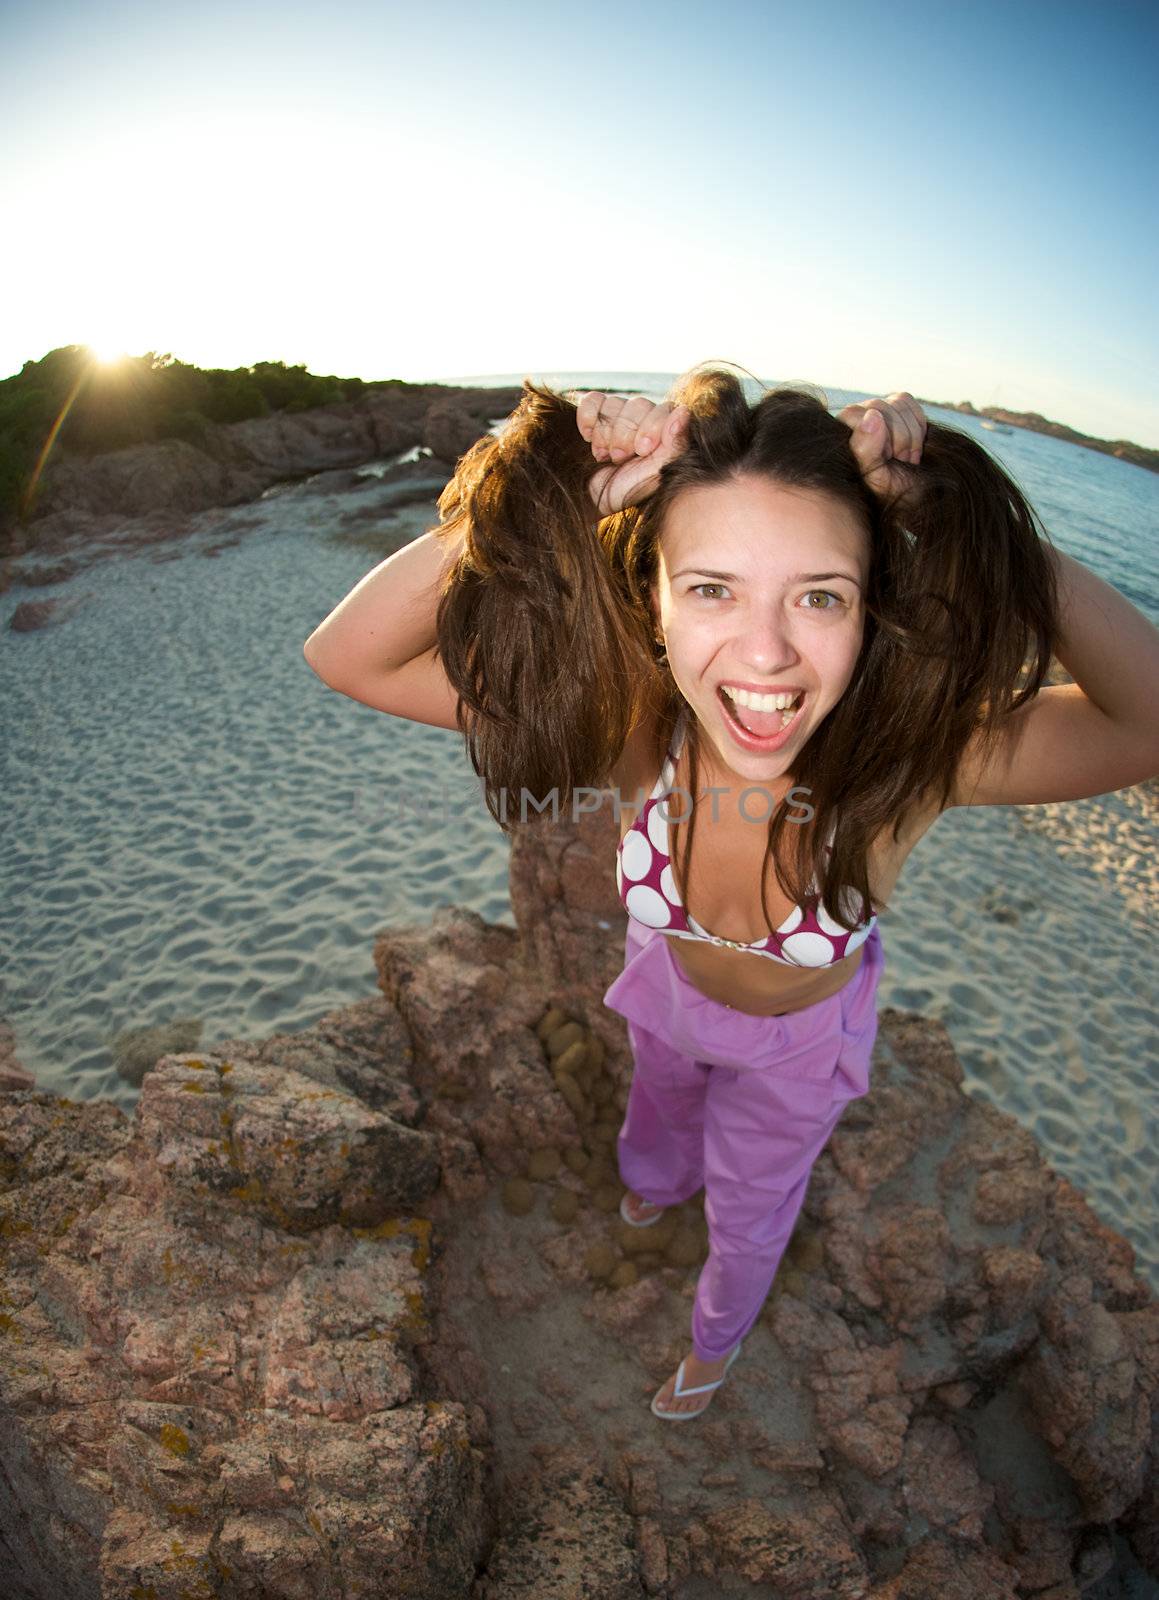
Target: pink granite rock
column 211, row 1332
column 335, row 1312
column 238, row 460
column 30, row 616
column 125, row 501
column 13, row 1074
column 449, row 430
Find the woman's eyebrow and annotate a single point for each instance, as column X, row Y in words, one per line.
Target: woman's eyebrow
column 798, row 577
column 816, row 577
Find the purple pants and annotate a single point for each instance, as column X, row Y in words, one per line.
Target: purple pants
column 740, row 1105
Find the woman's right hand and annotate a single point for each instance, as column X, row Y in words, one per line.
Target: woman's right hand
column 637, row 437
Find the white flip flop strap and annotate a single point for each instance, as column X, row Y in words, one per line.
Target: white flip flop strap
column 678, row 1393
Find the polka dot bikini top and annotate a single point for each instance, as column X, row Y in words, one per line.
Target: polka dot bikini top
column 644, row 877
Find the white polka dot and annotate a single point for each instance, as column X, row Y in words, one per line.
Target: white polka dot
column 658, row 829
column 668, row 886
column 619, row 878
column 648, row 907
column 856, row 940
column 636, row 855
column 808, row 949
column 828, row 924
column 695, row 926
column 795, row 917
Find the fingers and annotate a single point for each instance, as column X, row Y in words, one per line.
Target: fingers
column 587, row 409
column 632, row 480
column 891, row 437
column 627, row 428
column 618, row 427
column 907, row 426
column 673, row 434
column 627, row 483
column 596, row 412
column 884, row 429
column 915, row 421
column 599, row 489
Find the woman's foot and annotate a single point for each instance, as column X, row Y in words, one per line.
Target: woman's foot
column 696, row 1372
column 640, row 1210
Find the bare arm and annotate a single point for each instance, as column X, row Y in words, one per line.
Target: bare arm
column 377, row 645
column 1089, row 737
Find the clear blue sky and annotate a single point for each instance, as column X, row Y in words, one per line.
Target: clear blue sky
column 954, row 199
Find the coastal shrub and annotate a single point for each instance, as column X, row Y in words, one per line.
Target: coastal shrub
column 235, row 397
column 188, row 425
column 26, row 418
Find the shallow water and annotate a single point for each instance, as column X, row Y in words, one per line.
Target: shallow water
column 195, row 827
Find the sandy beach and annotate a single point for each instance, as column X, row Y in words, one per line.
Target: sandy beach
column 203, row 841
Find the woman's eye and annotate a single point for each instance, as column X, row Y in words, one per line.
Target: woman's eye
column 826, row 594
column 699, row 586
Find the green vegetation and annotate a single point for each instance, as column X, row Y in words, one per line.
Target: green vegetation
column 137, row 400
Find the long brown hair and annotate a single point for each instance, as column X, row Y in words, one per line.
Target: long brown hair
column 545, row 627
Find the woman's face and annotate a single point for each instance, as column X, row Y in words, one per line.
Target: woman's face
column 760, row 588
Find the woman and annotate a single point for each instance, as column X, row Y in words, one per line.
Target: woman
column 816, row 634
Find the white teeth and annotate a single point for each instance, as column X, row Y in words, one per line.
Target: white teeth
column 759, row 702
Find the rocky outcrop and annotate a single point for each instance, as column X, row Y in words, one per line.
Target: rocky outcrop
column 238, row 461
column 353, row 1311
column 30, row 616
column 1139, row 455
column 12, row 1074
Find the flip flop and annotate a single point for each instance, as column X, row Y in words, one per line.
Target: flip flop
column 631, row 1221
column 680, row 1393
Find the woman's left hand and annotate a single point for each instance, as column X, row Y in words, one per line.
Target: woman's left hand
column 883, row 434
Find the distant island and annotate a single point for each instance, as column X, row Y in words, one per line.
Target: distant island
column 1034, row 423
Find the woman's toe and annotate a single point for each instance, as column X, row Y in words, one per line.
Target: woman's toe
column 666, row 1399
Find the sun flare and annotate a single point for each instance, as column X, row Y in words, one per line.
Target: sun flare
column 106, row 352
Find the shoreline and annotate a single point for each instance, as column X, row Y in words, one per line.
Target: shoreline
column 1139, row 455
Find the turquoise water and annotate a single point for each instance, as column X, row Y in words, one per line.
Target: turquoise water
column 195, row 827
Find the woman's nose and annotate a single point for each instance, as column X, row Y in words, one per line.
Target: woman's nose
column 766, row 645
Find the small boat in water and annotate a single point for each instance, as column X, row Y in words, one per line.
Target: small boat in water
column 996, row 427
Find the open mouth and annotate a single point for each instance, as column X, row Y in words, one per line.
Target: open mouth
column 761, row 726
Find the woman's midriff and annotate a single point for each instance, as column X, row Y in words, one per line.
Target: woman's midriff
column 703, row 966
column 745, row 980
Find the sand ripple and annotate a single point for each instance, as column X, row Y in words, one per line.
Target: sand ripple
column 200, row 835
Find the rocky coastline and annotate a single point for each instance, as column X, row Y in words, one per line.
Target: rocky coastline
column 122, row 501
column 352, row 1311
column 1034, row 422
